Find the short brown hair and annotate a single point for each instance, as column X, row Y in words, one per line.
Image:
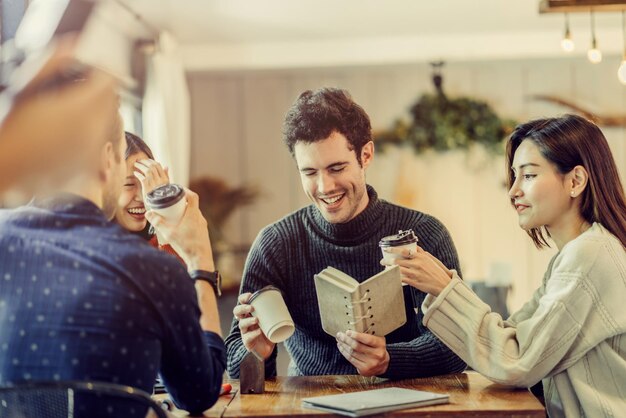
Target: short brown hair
column 315, row 115
column 115, row 133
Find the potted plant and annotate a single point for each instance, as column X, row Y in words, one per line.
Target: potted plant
column 218, row 202
column 442, row 123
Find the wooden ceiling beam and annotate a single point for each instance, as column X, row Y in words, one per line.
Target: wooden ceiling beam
column 581, row 6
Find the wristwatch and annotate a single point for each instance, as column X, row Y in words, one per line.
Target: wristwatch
column 214, row 278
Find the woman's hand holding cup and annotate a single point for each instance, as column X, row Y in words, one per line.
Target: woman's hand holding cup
column 402, row 240
column 419, row 269
column 151, row 175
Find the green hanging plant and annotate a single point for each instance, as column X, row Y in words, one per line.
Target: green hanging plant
column 440, row 123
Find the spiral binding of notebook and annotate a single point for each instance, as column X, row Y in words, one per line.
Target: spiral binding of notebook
column 375, row 306
column 367, row 317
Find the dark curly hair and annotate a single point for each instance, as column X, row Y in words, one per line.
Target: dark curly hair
column 317, row 114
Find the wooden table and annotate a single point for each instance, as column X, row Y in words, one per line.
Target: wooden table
column 471, row 395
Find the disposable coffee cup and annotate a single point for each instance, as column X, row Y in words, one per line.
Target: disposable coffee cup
column 169, row 202
column 403, row 240
column 272, row 313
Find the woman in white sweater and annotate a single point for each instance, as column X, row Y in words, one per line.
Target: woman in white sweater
column 571, row 335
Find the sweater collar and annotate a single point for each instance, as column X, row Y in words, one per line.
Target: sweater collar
column 355, row 230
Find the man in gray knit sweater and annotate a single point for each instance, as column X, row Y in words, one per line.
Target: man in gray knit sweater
column 330, row 137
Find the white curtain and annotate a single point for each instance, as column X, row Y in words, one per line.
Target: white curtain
column 166, row 120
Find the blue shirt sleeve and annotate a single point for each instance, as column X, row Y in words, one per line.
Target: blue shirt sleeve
column 193, row 377
column 192, row 360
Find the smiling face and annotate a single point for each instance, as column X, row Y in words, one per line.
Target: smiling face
column 540, row 192
column 131, row 211
column 333, row 178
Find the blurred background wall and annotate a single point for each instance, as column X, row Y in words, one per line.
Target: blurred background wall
column 236, row 134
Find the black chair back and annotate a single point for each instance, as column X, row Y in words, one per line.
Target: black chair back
column 73, row 399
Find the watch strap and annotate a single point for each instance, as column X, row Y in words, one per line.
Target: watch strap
column 212, row 277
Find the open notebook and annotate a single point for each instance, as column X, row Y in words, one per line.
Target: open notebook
column 375, row 306
column 358, row 404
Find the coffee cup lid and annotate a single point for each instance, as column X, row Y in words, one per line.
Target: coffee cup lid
column 401, row 238
column 264, row 289
column 165, row 196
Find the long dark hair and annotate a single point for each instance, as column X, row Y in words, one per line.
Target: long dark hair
column 135, row 145
column 566, row 142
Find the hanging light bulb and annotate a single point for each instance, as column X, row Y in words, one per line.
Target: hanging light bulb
column 566, row 43
column 621, row 71
column 594, row 54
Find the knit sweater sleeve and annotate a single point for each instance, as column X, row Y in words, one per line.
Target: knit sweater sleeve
column 550, row 334
column 426, row 355
column 528, row 309
column 261, row 269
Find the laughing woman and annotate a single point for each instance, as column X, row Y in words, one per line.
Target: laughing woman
column 571, row 335
column 143, row 174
